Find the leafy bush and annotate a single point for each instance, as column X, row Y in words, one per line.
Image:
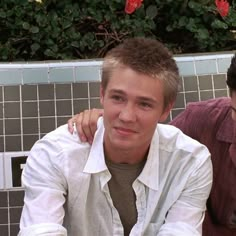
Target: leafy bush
column 76, row 29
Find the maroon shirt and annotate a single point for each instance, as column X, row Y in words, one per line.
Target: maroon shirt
column 210, row 123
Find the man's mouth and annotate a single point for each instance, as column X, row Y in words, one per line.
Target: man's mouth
column 125, row 131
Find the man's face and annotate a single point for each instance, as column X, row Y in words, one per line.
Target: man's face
column 233, row 105
column 133, row 105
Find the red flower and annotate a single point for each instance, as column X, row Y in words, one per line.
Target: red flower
column 222, row 7
column 132, row 5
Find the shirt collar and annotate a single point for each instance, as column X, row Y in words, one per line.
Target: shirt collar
column 150, row 173
column 96, row 160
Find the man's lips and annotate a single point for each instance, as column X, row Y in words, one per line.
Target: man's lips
column 126, row 131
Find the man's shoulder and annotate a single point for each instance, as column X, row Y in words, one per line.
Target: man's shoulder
column 172, row 137
column 61, row 138
column 221, row 104
column 182, row 149
column 60, row 147
column 59, row 133
column 204, row 113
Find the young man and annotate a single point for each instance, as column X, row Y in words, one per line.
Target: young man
column 212, row 123
column 138, row 177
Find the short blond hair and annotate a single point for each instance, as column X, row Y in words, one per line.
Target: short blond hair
column 146, row 56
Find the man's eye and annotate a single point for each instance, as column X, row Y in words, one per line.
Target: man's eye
column 117, row 98
column 145, row 105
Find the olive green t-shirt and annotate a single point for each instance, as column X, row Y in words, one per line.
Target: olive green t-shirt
column 122, row 193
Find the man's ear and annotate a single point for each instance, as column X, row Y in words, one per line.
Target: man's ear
column 101, row 95
column 166, row 112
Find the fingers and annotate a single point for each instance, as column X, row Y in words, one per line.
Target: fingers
column 94, row 114
column 70, row 124
column 85, row 124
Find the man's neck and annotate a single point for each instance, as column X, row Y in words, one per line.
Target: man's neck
column 133, row 156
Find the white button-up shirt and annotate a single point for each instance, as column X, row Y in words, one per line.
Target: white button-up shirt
column 66, row 183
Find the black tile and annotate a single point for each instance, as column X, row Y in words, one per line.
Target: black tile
column 29, row 109
column 30, row 126
column 1, row 127
column 14, row 229
column 95, row 103
column 12, row 126
column 181, row 84
column 62, row 120
column 3, row 215
column 16, row 167
column 221, row 93
column 1, row 110
column 94, row 89
column 205, row 82
column 63, row 91
column 15, row 214
column 16, row 198
column 192, row 97
column 2, row 143
column 47, row 108
column 29, row 92
column 4, row 230
column 205, row 95
column 46, row 91
column 47, row 124
column 190, row 83
column 13, row 143
column 180, row 101
column 3, row 199
column 176, row 112
column 80, row 105
column 1, row 97
column 219, row 81
column 12, row 109
column 29, row 141
column 80, row 90
column 64, row 108
column 12, row 93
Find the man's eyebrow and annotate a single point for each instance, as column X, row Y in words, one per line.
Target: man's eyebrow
column 141, row 98
column 116, row 91
column 233, row 108
column 146, row 99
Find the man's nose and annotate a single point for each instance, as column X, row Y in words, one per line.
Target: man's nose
column 128, row 114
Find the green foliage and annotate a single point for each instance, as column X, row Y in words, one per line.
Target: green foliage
column 76, row 29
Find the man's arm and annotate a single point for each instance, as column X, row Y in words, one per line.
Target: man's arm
column 45, row 190
column 86, row 123
column 186, row 215
column 210, row 228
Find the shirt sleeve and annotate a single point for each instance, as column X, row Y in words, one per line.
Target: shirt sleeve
column 186, row 215
column 45, row 190
column 43, row 229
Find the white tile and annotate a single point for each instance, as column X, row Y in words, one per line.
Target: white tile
column 186, row 68
column 8, row 157
column 205, row 67
column 223, row 64
column 87, row 73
